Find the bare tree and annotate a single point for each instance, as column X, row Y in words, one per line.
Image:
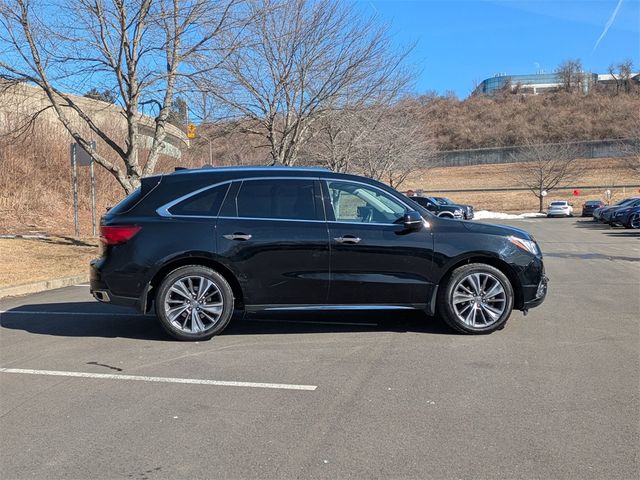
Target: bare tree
column 142, row 50
column 626, row 70
column 338, row 137
column 543, row 168
column 300, row 60
column 570, row 73
column 396, row 148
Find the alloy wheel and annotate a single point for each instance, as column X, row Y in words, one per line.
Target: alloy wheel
column 193, row 304
column 479, row 300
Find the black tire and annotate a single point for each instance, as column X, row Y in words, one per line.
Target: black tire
column 634, row 221
column 446, row 308
column 224, row 294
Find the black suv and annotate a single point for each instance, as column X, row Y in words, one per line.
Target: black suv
column 200, row 243
column 443, row 207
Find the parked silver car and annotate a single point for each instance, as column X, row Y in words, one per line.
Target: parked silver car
column 560, row 208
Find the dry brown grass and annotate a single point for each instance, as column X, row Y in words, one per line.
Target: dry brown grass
column 609, row 172
column 25, row 261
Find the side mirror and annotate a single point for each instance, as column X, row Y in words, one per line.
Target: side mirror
column 412, row 220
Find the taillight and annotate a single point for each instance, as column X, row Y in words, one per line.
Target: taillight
column 117, row 234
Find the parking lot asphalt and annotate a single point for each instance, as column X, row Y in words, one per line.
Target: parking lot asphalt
column 553, row 395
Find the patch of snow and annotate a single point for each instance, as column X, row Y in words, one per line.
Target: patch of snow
column 485, row 214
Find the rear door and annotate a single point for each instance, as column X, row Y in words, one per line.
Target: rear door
column 273, row 234
column 374, row 259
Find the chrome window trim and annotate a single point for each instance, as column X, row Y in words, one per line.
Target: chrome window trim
column 163, row 211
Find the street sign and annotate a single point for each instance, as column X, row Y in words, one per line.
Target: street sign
column 80, row 157
column 83, row 159
column 191, row 131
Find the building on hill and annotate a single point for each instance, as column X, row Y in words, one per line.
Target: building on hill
column 537, row 83
column 21, row 102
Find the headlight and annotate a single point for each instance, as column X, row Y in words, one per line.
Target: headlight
column 527, row 245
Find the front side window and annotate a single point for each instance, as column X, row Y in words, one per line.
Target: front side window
column 352, row 202
column 203, row 204
column 296, row 199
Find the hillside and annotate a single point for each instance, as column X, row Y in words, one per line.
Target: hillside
column 515, row 119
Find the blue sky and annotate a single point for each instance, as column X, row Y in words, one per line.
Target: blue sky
column 462, row 42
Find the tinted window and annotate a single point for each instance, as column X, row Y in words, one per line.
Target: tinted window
column 357, row 203
column 593, row 202
column 558, row 204
column 127, row 203
column 206, row 203
column 278, row 199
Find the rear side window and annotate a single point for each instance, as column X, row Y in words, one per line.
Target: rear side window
column 296, row 199
column 204, row 204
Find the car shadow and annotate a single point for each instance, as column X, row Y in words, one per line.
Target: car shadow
column 83, row 319
column 608, row 229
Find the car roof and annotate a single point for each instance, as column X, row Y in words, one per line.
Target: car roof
column 248, row 168
column 207, row 175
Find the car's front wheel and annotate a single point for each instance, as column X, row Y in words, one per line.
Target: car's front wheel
column 476, row 298
column 634, row 221
column 194, row 303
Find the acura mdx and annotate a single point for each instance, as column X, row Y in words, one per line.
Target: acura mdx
column 197, row 244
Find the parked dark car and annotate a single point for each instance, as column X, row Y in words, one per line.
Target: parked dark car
column 606, row 214
column 589, row 206
column 467, row 210
column 440, row 209
column 626, row 216
column 200, row 243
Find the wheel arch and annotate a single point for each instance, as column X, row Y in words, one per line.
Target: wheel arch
column 205, row 261
column 504, row 267
column 445, row 215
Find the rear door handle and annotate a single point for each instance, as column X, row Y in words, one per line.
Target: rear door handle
column 348, row 239
column 237, row 236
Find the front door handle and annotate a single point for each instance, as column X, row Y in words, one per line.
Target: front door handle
column 348, row 239
column 237, row 236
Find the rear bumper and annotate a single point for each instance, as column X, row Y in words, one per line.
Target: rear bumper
column 101, row 292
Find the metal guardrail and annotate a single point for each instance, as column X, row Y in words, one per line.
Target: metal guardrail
column 611, row 148
column 523, row 189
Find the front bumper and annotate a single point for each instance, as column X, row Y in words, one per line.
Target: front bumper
column 537, row 293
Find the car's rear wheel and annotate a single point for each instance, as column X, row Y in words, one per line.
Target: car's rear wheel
column 477, row 298
column 194, row 303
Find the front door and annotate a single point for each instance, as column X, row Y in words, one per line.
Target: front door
column 374, row 258
column 273, row 234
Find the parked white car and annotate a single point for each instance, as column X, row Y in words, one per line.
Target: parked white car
column 560, row 208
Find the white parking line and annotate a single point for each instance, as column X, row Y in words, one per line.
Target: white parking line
column 140, row 378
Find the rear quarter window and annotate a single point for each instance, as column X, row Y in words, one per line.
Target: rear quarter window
column 205, row 204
